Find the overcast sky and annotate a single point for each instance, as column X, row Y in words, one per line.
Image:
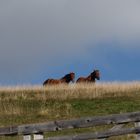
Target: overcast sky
column 42, row 39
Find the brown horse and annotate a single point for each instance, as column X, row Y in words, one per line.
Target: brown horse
column 91, row 78
column 66, row 79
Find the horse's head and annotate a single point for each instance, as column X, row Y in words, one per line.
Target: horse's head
column 72, row 76
column 69, row 77
column 95, row 75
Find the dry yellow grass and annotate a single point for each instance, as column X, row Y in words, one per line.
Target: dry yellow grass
column 72, row 91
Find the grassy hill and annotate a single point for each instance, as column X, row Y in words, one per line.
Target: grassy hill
column 34, row 104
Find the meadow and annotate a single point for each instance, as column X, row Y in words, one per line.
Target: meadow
column 34, row 104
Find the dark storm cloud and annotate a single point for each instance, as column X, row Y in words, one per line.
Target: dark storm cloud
column 45, row 35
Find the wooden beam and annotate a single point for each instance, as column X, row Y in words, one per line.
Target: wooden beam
column 99, row 135
column 80, row 123
column 69, row 124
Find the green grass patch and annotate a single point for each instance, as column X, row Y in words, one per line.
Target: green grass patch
column 33, row 111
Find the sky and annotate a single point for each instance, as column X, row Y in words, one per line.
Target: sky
column 41, row 39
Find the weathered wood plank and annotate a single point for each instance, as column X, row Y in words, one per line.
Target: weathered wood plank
column 79, row 123
column 68, row 124
column 12, row 130
column 99, row 135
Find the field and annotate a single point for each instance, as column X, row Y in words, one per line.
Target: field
column 34, row 104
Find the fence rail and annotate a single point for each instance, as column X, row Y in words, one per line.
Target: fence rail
column 99, row 135
column 38, row 129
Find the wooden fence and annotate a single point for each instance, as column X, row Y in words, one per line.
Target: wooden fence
column 35, row 131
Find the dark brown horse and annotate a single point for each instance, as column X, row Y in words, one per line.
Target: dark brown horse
column 91, row 78
column 66, row 79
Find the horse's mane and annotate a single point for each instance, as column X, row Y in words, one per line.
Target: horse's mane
column 67, row 75
column 64, row 77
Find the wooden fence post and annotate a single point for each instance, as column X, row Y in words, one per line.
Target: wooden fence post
column 137, row 124
column 38, row 136
column 27, row 137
